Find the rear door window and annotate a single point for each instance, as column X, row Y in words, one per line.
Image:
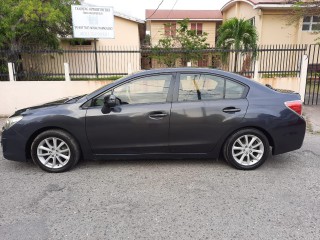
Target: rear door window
column 197, row 87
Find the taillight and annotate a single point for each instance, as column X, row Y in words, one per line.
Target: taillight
column 295, row 106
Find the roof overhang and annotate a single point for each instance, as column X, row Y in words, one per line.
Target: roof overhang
column 232, row 2
column 258, row 5
column 190, row 19
column 124, row 16
column 272, row 6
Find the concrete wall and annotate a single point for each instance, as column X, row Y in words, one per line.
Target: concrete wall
column 287, row 83
column 276, row 30
column 17, row 95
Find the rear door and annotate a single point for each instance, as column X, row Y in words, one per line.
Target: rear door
column 204, row 107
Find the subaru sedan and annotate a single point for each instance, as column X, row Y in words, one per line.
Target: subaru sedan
column 165, row 113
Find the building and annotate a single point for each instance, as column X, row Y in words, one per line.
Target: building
column 271, row 18
column 164, row 22
column 82, row 60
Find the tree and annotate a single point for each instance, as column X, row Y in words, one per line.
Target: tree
column 34, row 22
column 303, row 9
column 237, row 34
column 185, row 45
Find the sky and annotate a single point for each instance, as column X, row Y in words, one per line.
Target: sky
column 136, row 8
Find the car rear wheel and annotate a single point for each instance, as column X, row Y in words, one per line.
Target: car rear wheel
column 246, row 149
column 55, row 151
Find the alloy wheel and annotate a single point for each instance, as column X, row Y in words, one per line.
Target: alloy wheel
column 53, row 152
column 248, row 150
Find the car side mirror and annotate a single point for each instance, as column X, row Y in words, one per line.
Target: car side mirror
column 109, row 102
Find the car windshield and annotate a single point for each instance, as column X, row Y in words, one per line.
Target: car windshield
column 75, row 99
column 97, row 90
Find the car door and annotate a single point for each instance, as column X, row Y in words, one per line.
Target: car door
column 139, row 124
column 204, row 107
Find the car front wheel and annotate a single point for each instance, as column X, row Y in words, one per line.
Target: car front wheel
column 246, row 149
column 55, row 151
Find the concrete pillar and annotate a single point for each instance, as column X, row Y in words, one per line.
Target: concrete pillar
column 303, row 76
column 129, row 68
column 256, row 70
column 11, row 72
column 67, row 72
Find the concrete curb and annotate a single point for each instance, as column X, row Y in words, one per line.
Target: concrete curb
column 312, row 115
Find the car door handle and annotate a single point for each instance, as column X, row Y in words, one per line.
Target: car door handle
column 231, row 110
column 157, row 115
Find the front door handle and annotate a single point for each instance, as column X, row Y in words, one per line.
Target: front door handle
column 157, row 115
column 231, row 110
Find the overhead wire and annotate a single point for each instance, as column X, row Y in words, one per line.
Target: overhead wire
column 156, row 9
column 167, row 15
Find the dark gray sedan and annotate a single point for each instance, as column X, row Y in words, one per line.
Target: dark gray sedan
column 165, row 113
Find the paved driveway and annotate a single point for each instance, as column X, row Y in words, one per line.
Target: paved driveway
column 164, row 199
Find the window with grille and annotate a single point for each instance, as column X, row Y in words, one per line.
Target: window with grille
column 311, row 23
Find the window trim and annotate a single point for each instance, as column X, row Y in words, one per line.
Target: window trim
column 252, row 21
column 170, row 29
column 177, row 85
column 196, row 27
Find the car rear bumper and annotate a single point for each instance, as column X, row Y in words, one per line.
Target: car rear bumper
column 13, row 146
column 290, row 137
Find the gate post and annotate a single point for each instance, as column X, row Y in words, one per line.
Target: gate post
column 256, row 70
column 11, row 71
column 303, row 76
column 66, row 72
column 129, row 68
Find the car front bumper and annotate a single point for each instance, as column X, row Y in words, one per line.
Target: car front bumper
column 13, row 146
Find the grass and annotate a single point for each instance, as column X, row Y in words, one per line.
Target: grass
column 273, row 75
column 48, row 78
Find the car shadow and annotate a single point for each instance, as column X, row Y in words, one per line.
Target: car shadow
column 152, row 162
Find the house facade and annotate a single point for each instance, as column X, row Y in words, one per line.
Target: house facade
column 162, row 23
column 272, row 20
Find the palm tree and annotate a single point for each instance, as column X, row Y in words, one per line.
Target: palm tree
column 237, row 34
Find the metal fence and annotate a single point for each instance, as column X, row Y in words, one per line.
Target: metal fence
column 312, row 91
column 111, row 62
column 49, row 64
column 267, row 61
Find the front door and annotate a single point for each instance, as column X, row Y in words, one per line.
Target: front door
column 140, row 124
column 204, row 108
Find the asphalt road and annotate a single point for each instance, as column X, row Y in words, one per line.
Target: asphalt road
column 164, row 199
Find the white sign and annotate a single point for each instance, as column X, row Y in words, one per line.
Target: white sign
column 92, row 22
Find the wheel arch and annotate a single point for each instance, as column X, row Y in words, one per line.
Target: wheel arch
column 41, row 130
column 264, row 131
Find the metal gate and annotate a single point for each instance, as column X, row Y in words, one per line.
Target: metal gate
column 313, row 76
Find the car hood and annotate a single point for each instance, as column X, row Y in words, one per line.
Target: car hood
column 61, row 101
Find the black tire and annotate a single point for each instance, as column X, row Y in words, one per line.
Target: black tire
column 229, row 149
column 73, row 150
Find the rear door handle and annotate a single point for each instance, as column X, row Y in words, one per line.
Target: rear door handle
column 157, row 115
column 231, row 110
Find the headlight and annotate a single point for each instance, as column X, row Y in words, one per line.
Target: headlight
column 11, row 121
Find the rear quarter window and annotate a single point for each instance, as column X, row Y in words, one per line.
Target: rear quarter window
column 234, row 90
